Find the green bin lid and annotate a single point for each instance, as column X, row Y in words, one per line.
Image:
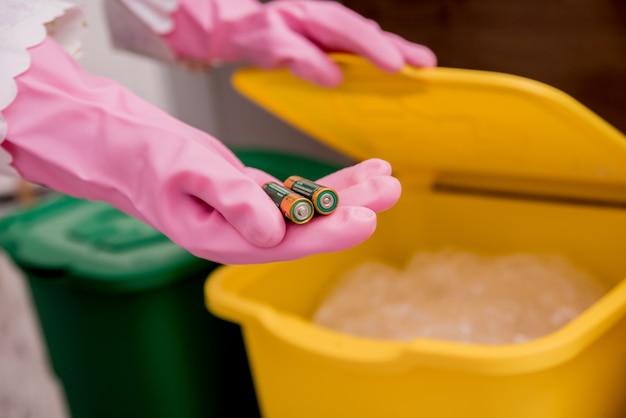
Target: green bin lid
column 95, row 246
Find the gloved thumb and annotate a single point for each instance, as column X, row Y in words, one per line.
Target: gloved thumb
column 239, row 200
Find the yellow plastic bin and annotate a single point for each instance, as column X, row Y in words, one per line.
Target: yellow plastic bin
column 490, row 163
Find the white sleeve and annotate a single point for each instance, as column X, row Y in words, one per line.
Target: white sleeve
column 24, row 24
column 136, row 25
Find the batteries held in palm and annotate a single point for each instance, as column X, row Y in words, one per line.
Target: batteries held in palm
column 296, row 208
column 324, row 198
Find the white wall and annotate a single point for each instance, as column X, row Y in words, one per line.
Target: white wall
column 206, row 101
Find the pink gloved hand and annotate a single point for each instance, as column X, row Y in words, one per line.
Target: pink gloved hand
column 296, row 34
column 90, row 138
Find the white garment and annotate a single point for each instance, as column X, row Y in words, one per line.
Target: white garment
column 23, row 25
column 135, row 25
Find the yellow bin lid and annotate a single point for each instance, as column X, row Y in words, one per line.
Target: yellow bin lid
column 447, row 122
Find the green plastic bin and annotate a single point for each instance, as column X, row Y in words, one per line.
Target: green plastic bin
column 122, row 309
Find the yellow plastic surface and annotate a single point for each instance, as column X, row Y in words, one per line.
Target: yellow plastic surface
column 449, row 127
column 447, row 122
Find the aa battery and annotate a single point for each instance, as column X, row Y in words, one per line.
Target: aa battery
column 294, row 207
column 324, row 198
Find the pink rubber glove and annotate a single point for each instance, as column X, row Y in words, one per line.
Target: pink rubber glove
column 296, row 34
column 88, row 137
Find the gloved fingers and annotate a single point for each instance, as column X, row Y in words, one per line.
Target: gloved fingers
column 316, row 67
column 350, row 176
column 364, row 189
column 414, row 54
column 368, row 184
column 282, row 47
column 335, row 28
column 238, row 198
column 376, row 193
column 347, row 227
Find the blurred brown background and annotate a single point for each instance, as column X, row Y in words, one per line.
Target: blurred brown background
column 578, row 46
